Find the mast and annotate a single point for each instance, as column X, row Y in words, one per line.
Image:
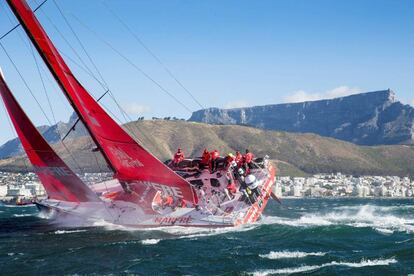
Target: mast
column 129, row 160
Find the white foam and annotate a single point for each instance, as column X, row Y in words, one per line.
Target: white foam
column 180, row 232
column 150, row 241
column 384, row 231
column 354, row 216
column 60, row 232
column 307, row 268
column 22, row 215
column 18, row 206
column 274, row 255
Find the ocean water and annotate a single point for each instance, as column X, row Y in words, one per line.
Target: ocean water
column 301, row 236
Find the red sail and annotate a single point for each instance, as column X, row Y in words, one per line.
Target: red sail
column 58, row 179
column 130, row 161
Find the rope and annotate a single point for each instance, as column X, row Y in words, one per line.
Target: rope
column 81, row 44
column 25, row 83
column 16, row 26
column 132, row 64
column 162, row 64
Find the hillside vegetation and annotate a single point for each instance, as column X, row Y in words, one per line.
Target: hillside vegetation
column 295, row 154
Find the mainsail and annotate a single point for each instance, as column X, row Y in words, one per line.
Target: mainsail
column 58, row 179
column 130, row 161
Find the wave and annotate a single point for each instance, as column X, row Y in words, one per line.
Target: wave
column 22, row 215
column 363, row 216
column 308, row 268
column 380, row 208
column 17, row 206
column 150, row 241
column 60, row 232
column 274, row 255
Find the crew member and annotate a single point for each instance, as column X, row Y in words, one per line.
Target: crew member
column 252, row 187
column 247, row 161
column 205, row 159
column 229, row 160
column 178, row 157
column 214, row 160
column 238, row 158
column 167, row 201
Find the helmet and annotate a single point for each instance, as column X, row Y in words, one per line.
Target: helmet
column 251, row 182
column 250, row 179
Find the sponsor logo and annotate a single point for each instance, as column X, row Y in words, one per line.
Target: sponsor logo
column 167, row 190
column 173, row 220
column 124, row 158
column 55, row 171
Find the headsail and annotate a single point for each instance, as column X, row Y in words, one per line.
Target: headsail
column 130, row 161
column 58, row 179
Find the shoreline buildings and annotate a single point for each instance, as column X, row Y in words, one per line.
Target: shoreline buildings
column 27, row 186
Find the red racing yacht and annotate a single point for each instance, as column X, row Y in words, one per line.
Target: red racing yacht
column 144, row 191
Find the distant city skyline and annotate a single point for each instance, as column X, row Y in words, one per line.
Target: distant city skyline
column 227, row 53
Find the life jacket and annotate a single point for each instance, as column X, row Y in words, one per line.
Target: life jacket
column 205, row 158
column 178, row 157
column 214, row 155
column 238, row 159
column 168, row 201
column 232, row 187
column 248, row 157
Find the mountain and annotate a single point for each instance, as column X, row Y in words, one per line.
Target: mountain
column 52, row 134
column 294, row 153
column 373, row 118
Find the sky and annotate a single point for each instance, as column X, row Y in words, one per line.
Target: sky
column 225, row 53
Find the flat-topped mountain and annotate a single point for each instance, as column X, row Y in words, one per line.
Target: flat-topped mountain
column 373, row 118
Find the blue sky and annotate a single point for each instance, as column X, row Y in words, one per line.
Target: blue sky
column 227, row 53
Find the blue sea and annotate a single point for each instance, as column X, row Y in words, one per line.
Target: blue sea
column 300, row 236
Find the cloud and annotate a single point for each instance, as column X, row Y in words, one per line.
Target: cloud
column 135, row 108
column 304, row 96
column 236, row 104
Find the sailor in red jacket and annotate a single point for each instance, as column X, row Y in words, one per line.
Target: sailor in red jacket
column 247, row 161
column 178, row 157
column 214, row 160
column 205, row 159
column 239, row 158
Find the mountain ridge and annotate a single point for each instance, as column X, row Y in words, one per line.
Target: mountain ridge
column 371, row 118
column 294, row 153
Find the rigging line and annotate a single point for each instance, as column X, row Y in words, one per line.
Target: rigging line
column 83, row 69
column 78, row 119
column 67, row 42
column 25, row 83
column 140, row 41
column 142, row 133
column 16, row 26
column 60, row 134
column 132, row 64
column 48, row 100
column 81, row 44
column 29, row 46
column 104, row 83
column 124, row 114
column 43, row 83
column 129, row 120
